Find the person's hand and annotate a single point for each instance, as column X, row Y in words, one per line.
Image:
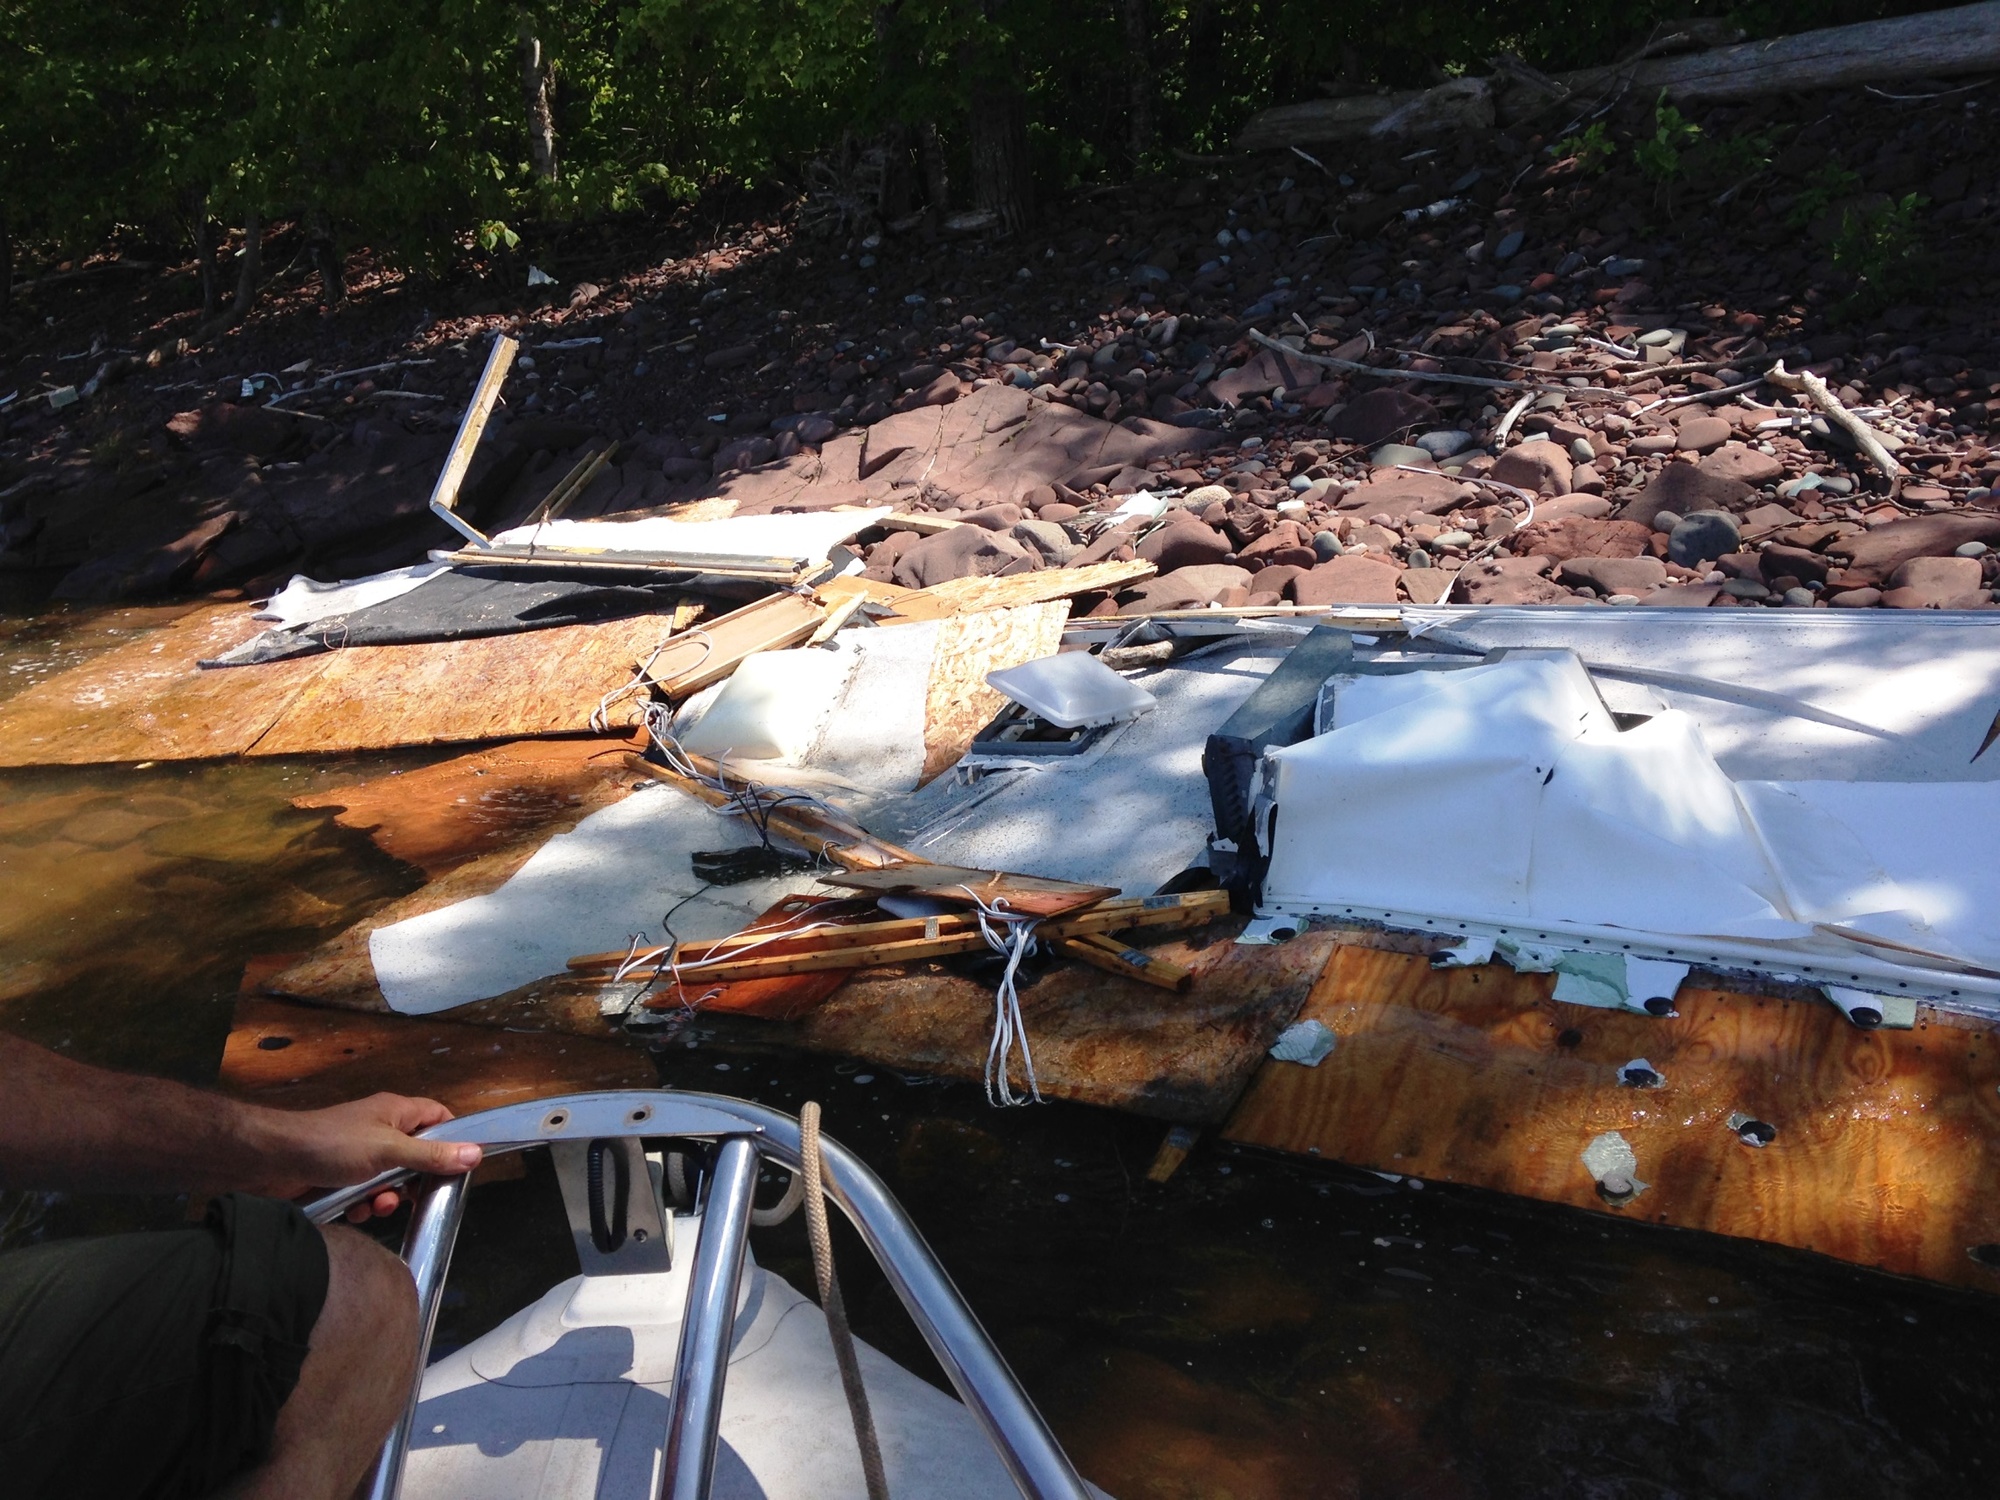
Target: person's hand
column 349, row 1143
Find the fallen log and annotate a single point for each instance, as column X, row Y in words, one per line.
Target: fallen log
column 1937, row 44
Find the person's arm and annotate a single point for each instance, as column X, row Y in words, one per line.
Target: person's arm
column 65, row 1126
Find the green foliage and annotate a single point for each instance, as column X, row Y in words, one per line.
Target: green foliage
column 1661, row 155
column 1881, row 248
column 1829, row 183
column 1593, row 148
column 1737, row 157
column 403, row 124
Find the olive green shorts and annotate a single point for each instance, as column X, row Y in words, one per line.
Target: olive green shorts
column 153, row 1365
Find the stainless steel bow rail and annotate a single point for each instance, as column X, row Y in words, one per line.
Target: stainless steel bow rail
column 744, row 1133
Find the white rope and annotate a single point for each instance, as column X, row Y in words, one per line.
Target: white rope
column 1011, row 934
column 814, row 1176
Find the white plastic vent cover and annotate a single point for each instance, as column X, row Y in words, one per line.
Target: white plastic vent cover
column 1073, row 690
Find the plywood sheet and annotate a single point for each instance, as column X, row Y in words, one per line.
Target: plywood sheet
column 1096, row 1038
column 957, row 701
column 1887, row 1150
column 964, row 595
column 442, row 816
column 149, row 700
column 299, row 1057
column 341, row 972
column 445, row 692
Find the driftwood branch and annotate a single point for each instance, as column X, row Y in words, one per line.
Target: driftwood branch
column 1937, row 44
column 1442, row 377
column 1865, row 437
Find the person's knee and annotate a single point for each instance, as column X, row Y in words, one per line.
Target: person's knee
column 370, row 1298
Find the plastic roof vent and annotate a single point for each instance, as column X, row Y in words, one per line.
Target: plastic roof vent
column 1074, row 690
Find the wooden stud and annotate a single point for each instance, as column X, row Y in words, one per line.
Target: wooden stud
column 445, row 494
column 1121, row 958
column 1174, row 1149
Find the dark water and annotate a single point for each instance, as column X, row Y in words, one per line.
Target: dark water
column 1257, row 1327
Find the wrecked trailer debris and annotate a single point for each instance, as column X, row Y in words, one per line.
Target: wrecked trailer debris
column 816, row 835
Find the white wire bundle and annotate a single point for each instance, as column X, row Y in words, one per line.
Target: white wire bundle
column 1014, row 937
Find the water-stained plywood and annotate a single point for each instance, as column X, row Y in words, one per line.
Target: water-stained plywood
column 148, row 699
column 1887, row 1145
column 341, row 972
column 1096, row 1038
column 446, row 692
column 957, row 701
column 441, row 816
column 301, row 1057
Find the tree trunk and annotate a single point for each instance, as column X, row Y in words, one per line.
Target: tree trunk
column 535, row 82
column 937, row 180
column 204, row 255
column 6, row 267
column 1141, row 131
column 326, row 259
column 1201, row 71
column 252, row 268
column 1002, row 181
column 1937, row 44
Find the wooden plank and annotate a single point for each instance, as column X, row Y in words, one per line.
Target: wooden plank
column 1115, row 956
column 149, row 700
column 442, row 816
column 1034, row 895
column 813, row 829
column 443, row 692
column 711, row 652
column 1886, row 1141
column 957, row 701
column 783, row 997
column 302, row 1057
column 837, row 591
column 444, row 495
column 965, row 595
column 1125, row 913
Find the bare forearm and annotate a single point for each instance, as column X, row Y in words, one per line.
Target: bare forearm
column 68, row 1126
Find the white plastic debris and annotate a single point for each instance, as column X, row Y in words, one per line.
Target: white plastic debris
column 1871, row 1011
column 773, row 706
column 1074, row 690
column 1306, row 1042
column 1613, row 1165
column 538, row 277
column 1469, row 952
column 1151, row 507
column 1265, row 932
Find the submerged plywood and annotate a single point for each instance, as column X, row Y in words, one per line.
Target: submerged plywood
column 299, row 1057
column 957, row 701
column 441, row 816
column 1887, row 1147
column 445, row 692
column 149, row 700
column 1097, row 1038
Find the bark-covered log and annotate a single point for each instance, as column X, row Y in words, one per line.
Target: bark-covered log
column 535, row 83
column 1937, row 44
column 252, row 268
column 1138, row 19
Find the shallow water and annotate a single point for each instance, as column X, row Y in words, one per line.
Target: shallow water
column 1257, row 1327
